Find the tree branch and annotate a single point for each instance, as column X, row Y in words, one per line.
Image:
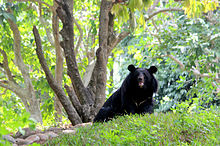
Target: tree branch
column 19, row 60
column 120, row 37
column 68, row 45
column 153, row 34
column 80, row 37
column 194, row 70
column 5, row 65
column 162, row 10
column 74, row 99
column 44, row 23
column 71, row 112
column 17, row 51
column 182, row 67
column 10, row 85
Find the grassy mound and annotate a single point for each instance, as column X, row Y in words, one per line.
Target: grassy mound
column 156, row 129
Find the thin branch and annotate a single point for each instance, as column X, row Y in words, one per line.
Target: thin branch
column 120, row 37
column 132, row 22
column 59, row 61
column 155, row 26
column 48, row 31
column 182, row 66
column 153, row 34
column 161, row 11
column 81, row 35
column 5, row 65
column 74, row 99
column 42, row 60
column 44, row 23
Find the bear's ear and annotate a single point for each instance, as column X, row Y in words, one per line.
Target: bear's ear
column 152, row 69
column 131, row 68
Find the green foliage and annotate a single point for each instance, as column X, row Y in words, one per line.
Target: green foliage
column 189, row 44
column 120, row 12
column 13, row 117
column 125, row 12
column 194, row 42
column 195, row 8
column 155, row 129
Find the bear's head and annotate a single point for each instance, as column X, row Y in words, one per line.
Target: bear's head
column 143, row 78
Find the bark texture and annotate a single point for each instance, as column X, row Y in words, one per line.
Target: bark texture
column 71, row 112
column 26, row 93
column 59, row 63
column 84, row 99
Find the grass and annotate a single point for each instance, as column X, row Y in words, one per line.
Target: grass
column 155, row 129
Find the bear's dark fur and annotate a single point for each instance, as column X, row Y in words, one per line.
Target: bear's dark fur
column 134, row 96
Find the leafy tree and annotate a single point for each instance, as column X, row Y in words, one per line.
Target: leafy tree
column 84, row 97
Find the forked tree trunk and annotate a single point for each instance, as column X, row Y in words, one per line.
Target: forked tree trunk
column 82, row 102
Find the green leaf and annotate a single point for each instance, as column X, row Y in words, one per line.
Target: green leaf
column 147, row 3
column 139, row 5
column 115, row 9
column 131, row 5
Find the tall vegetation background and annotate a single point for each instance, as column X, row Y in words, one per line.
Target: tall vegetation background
column 181, row 38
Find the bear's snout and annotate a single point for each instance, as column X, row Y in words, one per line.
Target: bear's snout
column 141, row 80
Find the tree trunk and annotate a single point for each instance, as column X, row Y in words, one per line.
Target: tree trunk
column 59, row 64
column 85, row 100
column 26, row 93
column 32, row 106
column 98, row 81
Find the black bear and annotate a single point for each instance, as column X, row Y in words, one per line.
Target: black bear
column 134, row 96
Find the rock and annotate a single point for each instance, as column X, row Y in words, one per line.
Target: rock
column 52, row 134
column 54, row 129
column 17, row 134
column 8, row 138
column 43, row 136
column 20, row 141
column 27, row 133
column 32, row 138
column 69, row 131
column 82, row 125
